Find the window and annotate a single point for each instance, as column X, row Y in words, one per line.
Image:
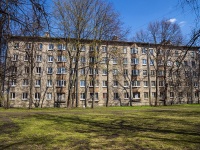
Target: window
column 192, row 54
column 61, row 83
column 49, row 96
column 115, row 71
column 82, row 97
column 37, row 83
column 135, row 72
column 82, row 83
column 38, row 70
column 144, row 62
column 104, row 60
column 104, row 95
column 126, row 83
column 161, row 95
column 151, row 51
column 93, row 71
column 51, row 46
column 116, row 96
column 82, row 59
column 176, row 53
column 115, row 83
column 134, row 50
column 136, row 95
column 15, row 57
column 153, row 94
column 144, row 51
column 195, row 84
column 161, row 83
column 40, row 45
column 38, row 58
column 91, row 48
column 16, row 45
column 24, row 96
column 104, row 72
column 94, row 95
column 145, row 83
column 193, row 63
column 26, row 70
column 37, row 96
column 14, row 69
column 60, row 96
column 92, row 59
column 105, row 83
column 49, row 70
column 160, row 72
column 185, row 63
column 61, row 70
column 104, row 49
column 171, row 94
column 134, row 61
column 83, row 48
column 12, row 95
column 196, row 94
column 124, row 50
column 160, row 62
column 144, row 72
column 125, row 72
column 72, row 70
column 28, row 45
column 25, row 82
column 49, row 83
column 50, row 58
column 153, row 83
column 152, row 72
column 61, row 58
column 114, row 61
column 125, row 61
column 82, row 71
column 26, row 57
column 13, row 82
column 135, row 83
column 61, row 47
column 195, row 74
column 146, row 95
column 126, row 95
column 151, row 62
column 180, row 94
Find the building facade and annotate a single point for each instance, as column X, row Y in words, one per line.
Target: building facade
column 55, row 72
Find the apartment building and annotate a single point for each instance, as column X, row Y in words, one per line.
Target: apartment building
column 44, row 70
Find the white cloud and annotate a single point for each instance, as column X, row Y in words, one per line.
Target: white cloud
column 172, row 20
column 182, row 23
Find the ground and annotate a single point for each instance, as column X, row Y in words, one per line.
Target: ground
column 118, row 128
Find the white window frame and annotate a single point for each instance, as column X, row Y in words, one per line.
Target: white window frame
column 24, row 96
column 104, row 83
column 145, row 83
column 25, row 82
column 49, row 96
column 82, row 96
column 136, row 83
column 49, row 70
column 37, row 96
column 38, row 70
column 50, row 58
column 50, row 46
column 37, row 83
column 61, row 83
column 144, row 62
column 82, row 83
column 12, row 95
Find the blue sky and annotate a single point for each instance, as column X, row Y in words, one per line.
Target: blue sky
column 136, row 14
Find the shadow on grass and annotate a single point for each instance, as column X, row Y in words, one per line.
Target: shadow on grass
column 118, row 127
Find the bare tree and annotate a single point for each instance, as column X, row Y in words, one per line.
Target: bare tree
column 162, row 34
column 16, row 19
column 85, row 19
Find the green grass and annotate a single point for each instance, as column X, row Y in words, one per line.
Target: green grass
column 119, row 128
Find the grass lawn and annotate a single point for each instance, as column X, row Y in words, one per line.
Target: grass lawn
column 118, row 128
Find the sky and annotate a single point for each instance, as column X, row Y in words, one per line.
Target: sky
column 137, row 14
